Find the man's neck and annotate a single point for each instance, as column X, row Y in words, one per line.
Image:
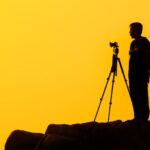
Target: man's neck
column 138, row 37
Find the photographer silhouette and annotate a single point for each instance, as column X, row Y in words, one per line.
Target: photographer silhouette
column 138, row 72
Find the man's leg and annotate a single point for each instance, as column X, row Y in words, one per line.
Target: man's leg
column 144, row 103
column 139, row 98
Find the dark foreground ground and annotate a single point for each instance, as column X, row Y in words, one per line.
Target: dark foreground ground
column 117, row 135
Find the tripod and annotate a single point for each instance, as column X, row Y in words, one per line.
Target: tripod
column 115, row 60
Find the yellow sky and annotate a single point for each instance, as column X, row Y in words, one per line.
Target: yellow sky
column 55, row 58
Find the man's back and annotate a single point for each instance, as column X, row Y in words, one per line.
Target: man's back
column 137, row 66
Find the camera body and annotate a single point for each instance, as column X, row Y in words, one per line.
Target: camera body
column 115, row 46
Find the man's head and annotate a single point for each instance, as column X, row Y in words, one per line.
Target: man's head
column 136, row 30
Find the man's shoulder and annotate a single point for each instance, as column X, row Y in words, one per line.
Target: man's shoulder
column 144, row 40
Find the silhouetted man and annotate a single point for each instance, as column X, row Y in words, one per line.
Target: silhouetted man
column 138, row 73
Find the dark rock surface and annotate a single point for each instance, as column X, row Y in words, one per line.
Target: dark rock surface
column 118, row 135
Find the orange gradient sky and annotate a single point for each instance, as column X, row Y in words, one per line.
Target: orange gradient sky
column 55, row 58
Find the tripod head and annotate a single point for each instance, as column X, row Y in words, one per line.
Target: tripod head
column 115, row 46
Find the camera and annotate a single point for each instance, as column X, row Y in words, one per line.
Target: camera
column 113, row 44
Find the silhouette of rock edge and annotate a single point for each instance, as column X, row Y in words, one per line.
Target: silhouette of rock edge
column 118, row 135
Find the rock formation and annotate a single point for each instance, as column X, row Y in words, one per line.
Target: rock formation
column 118, row 135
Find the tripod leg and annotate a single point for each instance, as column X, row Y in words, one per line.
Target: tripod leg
column 113, row 81
column 102, row 96
column 124, row 76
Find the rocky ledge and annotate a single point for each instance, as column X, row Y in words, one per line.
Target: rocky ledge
column 118, row 135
